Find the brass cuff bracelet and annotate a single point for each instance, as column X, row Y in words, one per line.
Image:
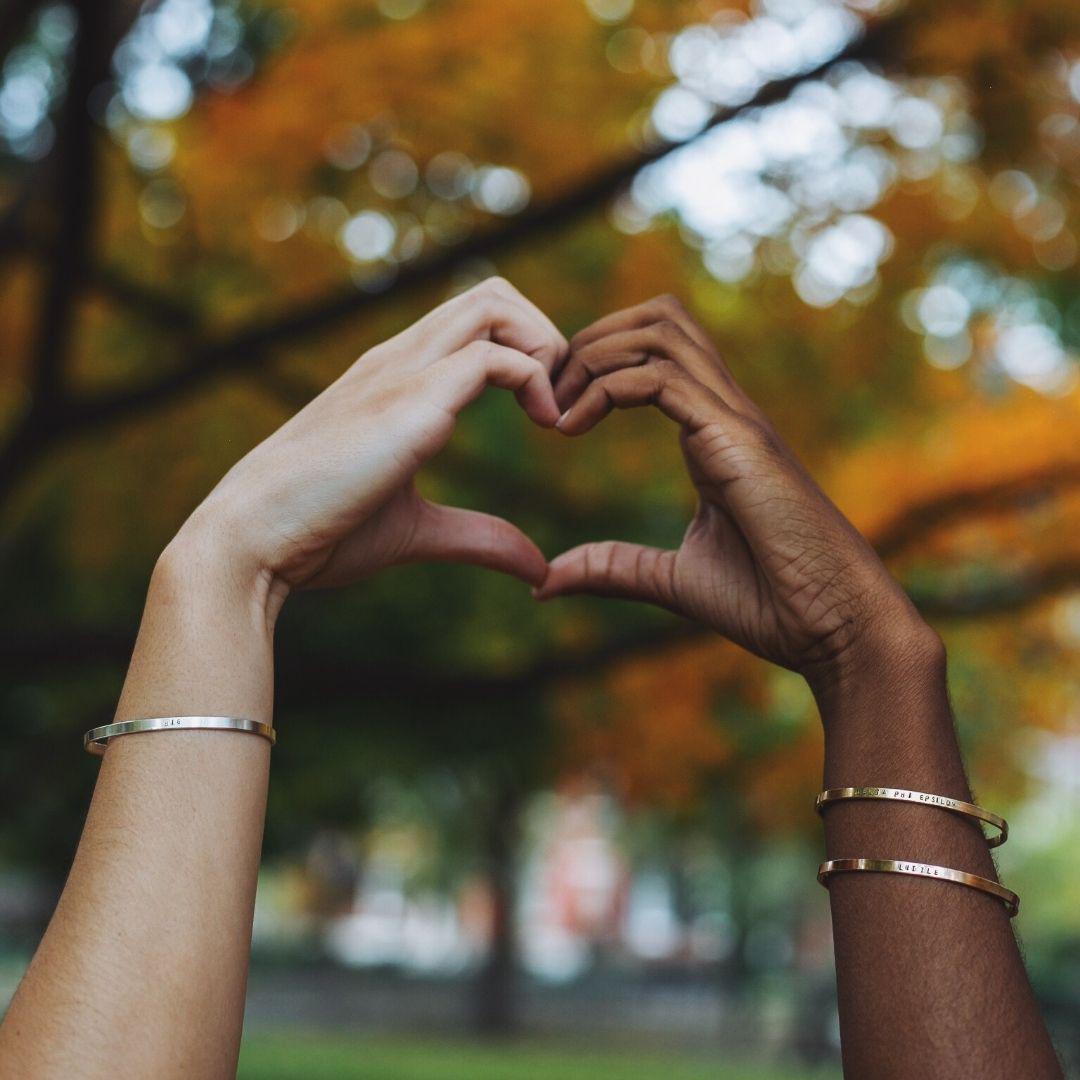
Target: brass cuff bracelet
column 96, row 739
column 942, row 802
column 924, row 870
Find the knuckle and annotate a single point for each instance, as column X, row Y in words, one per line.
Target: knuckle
column 483, row 299
column 496, row 288
column 665, row 369
column 532, row 368
column 669, row 303
column 609, row 383
column 489, row 304
column 585, row 361
column 669, row 332
column 479, row 352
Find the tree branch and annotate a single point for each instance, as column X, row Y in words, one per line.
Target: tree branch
column 914, row 522
column 1009, row 594
column 240, row 350
column 24, row 653
column 144, row 301
column 155, row 306
column 539, row 219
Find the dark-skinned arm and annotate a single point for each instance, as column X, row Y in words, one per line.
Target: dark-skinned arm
column 931, row 981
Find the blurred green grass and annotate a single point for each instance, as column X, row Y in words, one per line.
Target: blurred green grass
column 322, row 1057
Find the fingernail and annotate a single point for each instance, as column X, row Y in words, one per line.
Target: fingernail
column 560, row 421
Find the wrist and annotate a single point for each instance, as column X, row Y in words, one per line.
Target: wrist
column 886, row 715
column 900, row 663
column 205, row 643
column 203, row 566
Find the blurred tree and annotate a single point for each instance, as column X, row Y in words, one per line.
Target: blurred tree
column 208, row 209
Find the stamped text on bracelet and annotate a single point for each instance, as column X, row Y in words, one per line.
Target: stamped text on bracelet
column 926, row 870
column 942, row 802
column 97, row 739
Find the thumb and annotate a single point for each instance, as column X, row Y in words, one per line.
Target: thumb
column 613, row 568
column 451, row 534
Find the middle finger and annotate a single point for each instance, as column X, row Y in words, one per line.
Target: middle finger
column 631, row 348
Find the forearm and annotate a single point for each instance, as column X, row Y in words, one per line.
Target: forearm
column 930, row 978
column 143, row 968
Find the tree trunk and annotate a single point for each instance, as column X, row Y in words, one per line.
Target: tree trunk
column 495, row 1001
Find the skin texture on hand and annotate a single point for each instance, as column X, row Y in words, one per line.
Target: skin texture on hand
column 329, row 499
column 767, row 560
column 930, row 979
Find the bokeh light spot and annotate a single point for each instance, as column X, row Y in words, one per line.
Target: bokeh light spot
column 393, row 174
column 368, row 236
column 278, row 219
column 150, row 148
column 347, row 146
column 162, row 204
column 500, row 190
column 610, row 11
column 401, row 9
column 449, row 175
column 158, row 91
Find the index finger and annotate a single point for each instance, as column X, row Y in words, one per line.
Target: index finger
column 491, row 311
column 668, row 309
column 657, row 309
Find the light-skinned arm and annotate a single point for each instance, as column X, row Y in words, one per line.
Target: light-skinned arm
column 143, row 968
column 931, row 982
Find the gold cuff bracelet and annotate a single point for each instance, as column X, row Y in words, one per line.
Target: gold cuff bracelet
column 942, row 802
column 925, row 870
